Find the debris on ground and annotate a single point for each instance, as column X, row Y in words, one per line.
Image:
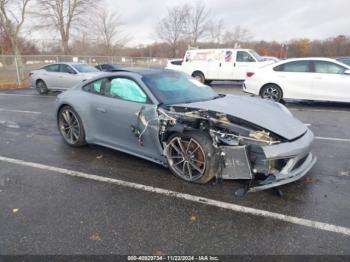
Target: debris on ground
column 95, row 237
column 309, row 180
column 344, row 173
column 99, row 157
column 193, row 217
column 15, row 210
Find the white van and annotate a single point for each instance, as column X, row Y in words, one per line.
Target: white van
column 207, row 65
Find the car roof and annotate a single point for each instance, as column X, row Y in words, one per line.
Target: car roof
column 141, row 70
column 310, row 58
column 220, row 49
column 307, row 59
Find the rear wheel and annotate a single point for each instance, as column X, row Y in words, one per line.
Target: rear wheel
column 208, row 82
column 41, row 87
column 191, row 157
column 272, row 92
column 199, row 76
column 71, row 127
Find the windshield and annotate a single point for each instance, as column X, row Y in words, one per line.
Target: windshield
column 175, row 88
column 256, row 55
column 85, row 68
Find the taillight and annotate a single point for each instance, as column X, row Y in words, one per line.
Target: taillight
column 250, row 74
column 30, row 74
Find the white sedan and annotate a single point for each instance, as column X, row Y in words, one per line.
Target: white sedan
column 302, row 78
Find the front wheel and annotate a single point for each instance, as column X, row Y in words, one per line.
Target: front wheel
column 191, row 157
column 272, row 92
column 71, row 127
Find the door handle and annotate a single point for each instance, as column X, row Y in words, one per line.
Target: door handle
column 100, row 109
column 234, row 64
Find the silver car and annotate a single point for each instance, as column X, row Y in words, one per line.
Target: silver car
column 169, row 118
column 61, row 76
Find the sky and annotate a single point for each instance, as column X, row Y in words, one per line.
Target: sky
column 280, row 20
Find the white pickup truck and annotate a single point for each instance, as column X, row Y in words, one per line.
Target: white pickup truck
column 207, row 65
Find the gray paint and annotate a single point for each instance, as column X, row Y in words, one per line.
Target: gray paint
column 108, row 122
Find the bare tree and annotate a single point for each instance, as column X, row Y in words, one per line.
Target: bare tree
column 108, row 27
column 197, row 24
column 65, row 16
column 237, row 36
column 12, row 16
column 171, row 28
column 216, row 31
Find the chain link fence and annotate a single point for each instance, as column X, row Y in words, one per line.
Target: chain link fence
column 10, row 71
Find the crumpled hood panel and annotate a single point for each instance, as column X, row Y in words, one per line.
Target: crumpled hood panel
column 266, row 114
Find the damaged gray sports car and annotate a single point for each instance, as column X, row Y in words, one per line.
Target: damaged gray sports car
column 169, row 118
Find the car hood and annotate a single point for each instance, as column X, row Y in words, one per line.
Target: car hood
column 265, row 114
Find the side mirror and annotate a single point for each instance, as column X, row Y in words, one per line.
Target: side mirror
column 347, row 72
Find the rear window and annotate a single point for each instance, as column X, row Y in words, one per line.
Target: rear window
column 325, row 67
column 296, row 67
column 84, row 68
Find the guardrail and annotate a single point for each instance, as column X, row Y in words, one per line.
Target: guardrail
column 10, row 71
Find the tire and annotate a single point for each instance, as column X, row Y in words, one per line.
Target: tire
column 199, row 76
column 41, row 87
column 271, row 92
column 208, row 82
column 71, row 127
column 192, row 157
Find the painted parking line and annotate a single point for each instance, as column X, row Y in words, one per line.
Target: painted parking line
column 317, row 110
column 25, row 95
column 19, row 111
column 187, row 197
column 333, row 139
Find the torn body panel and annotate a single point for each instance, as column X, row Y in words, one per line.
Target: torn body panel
column 247, row 151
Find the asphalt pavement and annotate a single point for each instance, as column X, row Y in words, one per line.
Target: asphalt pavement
column 48, row 212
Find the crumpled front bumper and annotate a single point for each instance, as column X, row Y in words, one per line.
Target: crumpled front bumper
column 300, row 161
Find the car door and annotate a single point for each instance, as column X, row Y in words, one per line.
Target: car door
column 69, row 76
column 50, row 74
column 329, row 82
column 244, row 63
column 125, row 119
column 226, row 66
column 295, row 79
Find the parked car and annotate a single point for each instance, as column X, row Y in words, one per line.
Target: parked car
column 272, row 58
column 304, row 78
column 60, row 76
column 174, row 64
column 108, row 67
column 170, row 118
column 345, row 60
column 207, row 65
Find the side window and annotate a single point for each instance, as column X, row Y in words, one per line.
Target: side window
column 228, row 56
column 52, row 68
column 296, row 67
column 94, row 87
column 125, row 89
column 325, row 67
column 67, row 69
column 243, row 56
